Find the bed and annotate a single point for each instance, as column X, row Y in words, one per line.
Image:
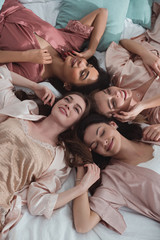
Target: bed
column 60, row 226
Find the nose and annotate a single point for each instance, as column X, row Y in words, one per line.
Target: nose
column 104, row 142
column 81, row 62
column 117, row 94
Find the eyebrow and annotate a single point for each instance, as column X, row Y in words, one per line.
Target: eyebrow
column 108, row 102
column 97, row 130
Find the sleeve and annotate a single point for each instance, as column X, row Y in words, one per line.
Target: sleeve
column 128, row 70
column 106, row 202
column 42, row 194
column 6, row 88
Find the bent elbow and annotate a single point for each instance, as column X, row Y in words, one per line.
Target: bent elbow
column 104, row 11
column 82, row 228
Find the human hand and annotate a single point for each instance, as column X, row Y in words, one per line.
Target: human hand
column 152, row 133
column 151, row 63
column 45, row 94
column 91, row 176
column 131, row 114
column 86, row 54
column 41, row 56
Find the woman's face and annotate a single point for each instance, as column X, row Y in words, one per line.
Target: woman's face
column 69, row 110
column 79, row 72
column 112, row 100
column 103, row 139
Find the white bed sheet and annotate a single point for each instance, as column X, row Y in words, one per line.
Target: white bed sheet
column 60, row 226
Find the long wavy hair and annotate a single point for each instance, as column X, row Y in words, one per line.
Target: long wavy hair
column 130, row 131
column 73, row 148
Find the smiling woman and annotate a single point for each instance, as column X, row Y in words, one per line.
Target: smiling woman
column 49, row 52
column 126, row 104
column 128, row 177
column 36, row 152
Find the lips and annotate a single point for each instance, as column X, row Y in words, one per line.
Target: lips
column 63, row 110
column 109, row 147
column 124, row 94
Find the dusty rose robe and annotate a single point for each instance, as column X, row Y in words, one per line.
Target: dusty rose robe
column 17, row 27
column 128, row 70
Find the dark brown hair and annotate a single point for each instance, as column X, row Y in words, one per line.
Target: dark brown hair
column 73, row 147
column 130, row 131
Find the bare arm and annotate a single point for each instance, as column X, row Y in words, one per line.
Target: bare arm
column 150, row 60
column 39, row 193
column 97, row 19
column 44, row 93
column 84, row 218
column 138, row 108
column 40, row 56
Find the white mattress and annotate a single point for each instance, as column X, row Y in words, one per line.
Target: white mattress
column 60, row 226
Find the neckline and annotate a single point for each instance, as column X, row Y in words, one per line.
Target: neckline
column 25, row 127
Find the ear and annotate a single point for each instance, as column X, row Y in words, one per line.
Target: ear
column 67, row 86
column 90, row 149
column 113, row 124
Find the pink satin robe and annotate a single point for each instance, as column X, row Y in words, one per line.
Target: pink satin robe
column 18, row 26
column 40, row 196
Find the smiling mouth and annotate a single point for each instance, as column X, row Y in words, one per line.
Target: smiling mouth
column 63, row 110
column 109, row 147
column 124, row 94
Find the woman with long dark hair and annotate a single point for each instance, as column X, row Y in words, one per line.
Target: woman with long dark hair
column 130, row 175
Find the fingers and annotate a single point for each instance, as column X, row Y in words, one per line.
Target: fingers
column 157, row 68
column 152, row 133
column 48, row 98
column 47, row 59
column 94, row 169
column 122, row 116
column 149, row 70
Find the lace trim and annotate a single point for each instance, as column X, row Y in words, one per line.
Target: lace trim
column 43, row 144
column 78, row 27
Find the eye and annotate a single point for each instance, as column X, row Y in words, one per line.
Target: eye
column 67, row 99
column 94, row 146
column 82, row 74
column 114, row 104
column 108, row 91
column 102, row 133
column 76, row 109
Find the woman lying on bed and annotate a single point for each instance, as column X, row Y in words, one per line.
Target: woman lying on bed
column 130, row 176
column 36, row 50
column 137, row 67
column 35, row 152
column 126, row 104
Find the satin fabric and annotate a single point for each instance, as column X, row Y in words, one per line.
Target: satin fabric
column 40, row 196
column 134, row 187
column 128, row 70
column 18, row 26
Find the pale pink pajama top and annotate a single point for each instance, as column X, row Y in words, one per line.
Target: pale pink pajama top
column 128, row 70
